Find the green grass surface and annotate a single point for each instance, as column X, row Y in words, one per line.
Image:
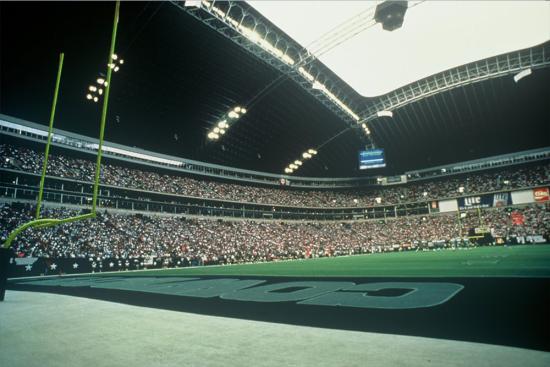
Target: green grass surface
column 527, row 261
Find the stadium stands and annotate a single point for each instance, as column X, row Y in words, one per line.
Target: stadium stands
column 179, row 241
column 65, row 166
column 125, row 238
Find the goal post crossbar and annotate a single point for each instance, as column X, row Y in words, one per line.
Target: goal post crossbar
column 48, row 222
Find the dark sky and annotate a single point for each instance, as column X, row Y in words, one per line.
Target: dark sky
column 180, row 77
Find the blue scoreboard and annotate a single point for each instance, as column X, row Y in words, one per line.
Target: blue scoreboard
column 372, row 158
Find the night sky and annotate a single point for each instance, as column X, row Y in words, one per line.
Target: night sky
column 180, row 76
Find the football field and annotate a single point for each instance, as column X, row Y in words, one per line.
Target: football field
column 494, row 261
column 492, row 295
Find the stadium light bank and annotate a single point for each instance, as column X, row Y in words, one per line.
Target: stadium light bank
column 95, row 91
column 308, row 154
column 221, row 127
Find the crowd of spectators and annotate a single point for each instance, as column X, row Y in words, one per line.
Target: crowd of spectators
column 204, row 241
column 64, row 166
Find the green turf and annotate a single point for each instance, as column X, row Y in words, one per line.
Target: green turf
column 527, row 261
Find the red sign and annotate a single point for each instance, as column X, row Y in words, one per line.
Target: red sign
column 517, row 218
column 541, row 194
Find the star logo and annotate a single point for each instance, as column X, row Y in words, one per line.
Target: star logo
column 28, row 267
column 75, row 266
column 53, row 266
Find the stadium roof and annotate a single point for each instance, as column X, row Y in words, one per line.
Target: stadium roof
column 181, row 76
column 435, row 36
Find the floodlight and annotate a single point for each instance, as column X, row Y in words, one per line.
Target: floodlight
column 317, row 85
column 192, row 3
column 100, row 91
column 288, row 59
column 92, row 88
column 216, row 130
column 243, row 110
column 96, row 99
column 105, row 84
column 522, row 74
column 89, row 96
column 299, row 163
column 121, row 62
column 222, row 131
column 252, row 35
column 237, row 109
column 293, row 166
column 216, row 136
column 378, row 200
column 100, row 81
column 115, row 56
column 288, row 170
column 307, row 75
column 390, row 14
column 116, row 68
column 312, row 151
column 221, row 124
column 210, row 135
column 306, row 155
column 233, row 115
column 384, row 114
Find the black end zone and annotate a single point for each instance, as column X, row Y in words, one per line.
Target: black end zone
column 503, row 311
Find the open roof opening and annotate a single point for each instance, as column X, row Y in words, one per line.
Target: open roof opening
column 435, row 36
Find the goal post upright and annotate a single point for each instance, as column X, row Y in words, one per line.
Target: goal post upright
column 104, row 110
column 50, row 133
column 5, row 250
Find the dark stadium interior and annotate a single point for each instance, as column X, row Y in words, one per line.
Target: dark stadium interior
column 319, row 228
column 180, row 77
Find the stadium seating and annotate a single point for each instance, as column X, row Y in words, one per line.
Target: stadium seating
column 29, row 160
column 178, row 241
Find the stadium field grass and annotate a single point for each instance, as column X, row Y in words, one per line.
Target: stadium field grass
column 495, row 261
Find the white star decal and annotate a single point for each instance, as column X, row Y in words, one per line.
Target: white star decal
column 53, row 266
column 75, row 266
column 28, row 267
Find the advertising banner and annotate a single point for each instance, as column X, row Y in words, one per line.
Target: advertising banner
column 502, row 199
column 474, row 202
column 517, row 218
column 448, row 206
column 434, row 207
column 541, row 194
column 522, row 197
column 392, row 180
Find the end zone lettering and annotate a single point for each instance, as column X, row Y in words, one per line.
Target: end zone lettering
column 318, row 293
